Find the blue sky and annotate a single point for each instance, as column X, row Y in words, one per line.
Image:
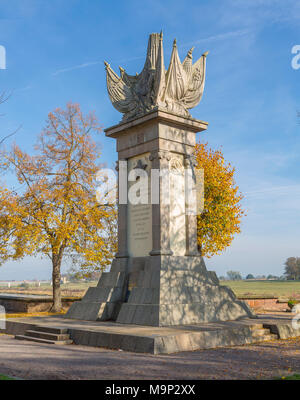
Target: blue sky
column 55, row 52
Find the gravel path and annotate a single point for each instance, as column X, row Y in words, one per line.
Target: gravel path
column 31, row 360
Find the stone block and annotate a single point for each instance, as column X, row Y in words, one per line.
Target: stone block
column 90, row 294
column 103, row 279
column 115, row 341
column 141, row 315
column 93, row 339
column 85, row 338
column 183, row 342
column 170, row 344
column 135, row 295
column 103, row 339
column 129, row 343
column 158, row 345
column 143, row 345
column 197, row 340
column 126, row 313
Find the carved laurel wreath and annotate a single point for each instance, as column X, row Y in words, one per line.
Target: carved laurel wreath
column 176, row 166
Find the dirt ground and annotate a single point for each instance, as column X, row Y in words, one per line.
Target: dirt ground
column 29, row 360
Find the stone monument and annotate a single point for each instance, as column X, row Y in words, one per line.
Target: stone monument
column 158, row 277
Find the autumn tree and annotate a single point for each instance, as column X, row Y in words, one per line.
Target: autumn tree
column 56, row 212
column 221, row 217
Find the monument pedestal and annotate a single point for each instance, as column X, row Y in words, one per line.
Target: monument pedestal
column 158, row 278
column 178, row 290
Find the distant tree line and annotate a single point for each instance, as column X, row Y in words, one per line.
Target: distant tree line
column 291, row 273
column 75, row 275
column 234, row 276
column 237, row 276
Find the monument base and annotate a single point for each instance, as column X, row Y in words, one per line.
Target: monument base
column 160, row 340
column 159, row 291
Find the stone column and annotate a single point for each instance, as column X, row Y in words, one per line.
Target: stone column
column 161, row 211
column 191, row 219
column 122, row 212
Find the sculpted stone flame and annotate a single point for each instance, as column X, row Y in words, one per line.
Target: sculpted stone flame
column 176, row 90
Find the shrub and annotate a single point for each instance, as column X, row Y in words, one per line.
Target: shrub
column 25, row 285
column 292, row 303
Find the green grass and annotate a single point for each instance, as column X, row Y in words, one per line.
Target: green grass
column 6, row 378
column 69, row 285
column 69, row 289
column 295, row 377
column 282, row 289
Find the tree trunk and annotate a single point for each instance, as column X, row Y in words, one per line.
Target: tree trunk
column 56, row 277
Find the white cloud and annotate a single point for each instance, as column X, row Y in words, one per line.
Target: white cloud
column 84, row 65
column 219, row 37
column 89, row 64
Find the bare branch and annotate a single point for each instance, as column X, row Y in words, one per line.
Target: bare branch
column 11, row 134
column 3, row 98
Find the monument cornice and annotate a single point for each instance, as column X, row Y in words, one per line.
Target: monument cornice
column 193, row 125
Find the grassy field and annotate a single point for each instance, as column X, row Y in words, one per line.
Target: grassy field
column 68, row 289
column 6, row 378
column 295, row 377
column 282, row 289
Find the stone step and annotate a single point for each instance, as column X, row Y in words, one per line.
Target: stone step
column 260, row 332
column 269, row 337
column 51, row 329
column 256, row 326
column 49, row 336
column 46, row 341
column 264, row 338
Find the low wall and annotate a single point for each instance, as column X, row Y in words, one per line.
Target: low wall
column 29, row 304
column 266, row 303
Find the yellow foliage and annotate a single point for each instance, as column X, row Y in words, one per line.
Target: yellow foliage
column 221, row 217
column 36, row 314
